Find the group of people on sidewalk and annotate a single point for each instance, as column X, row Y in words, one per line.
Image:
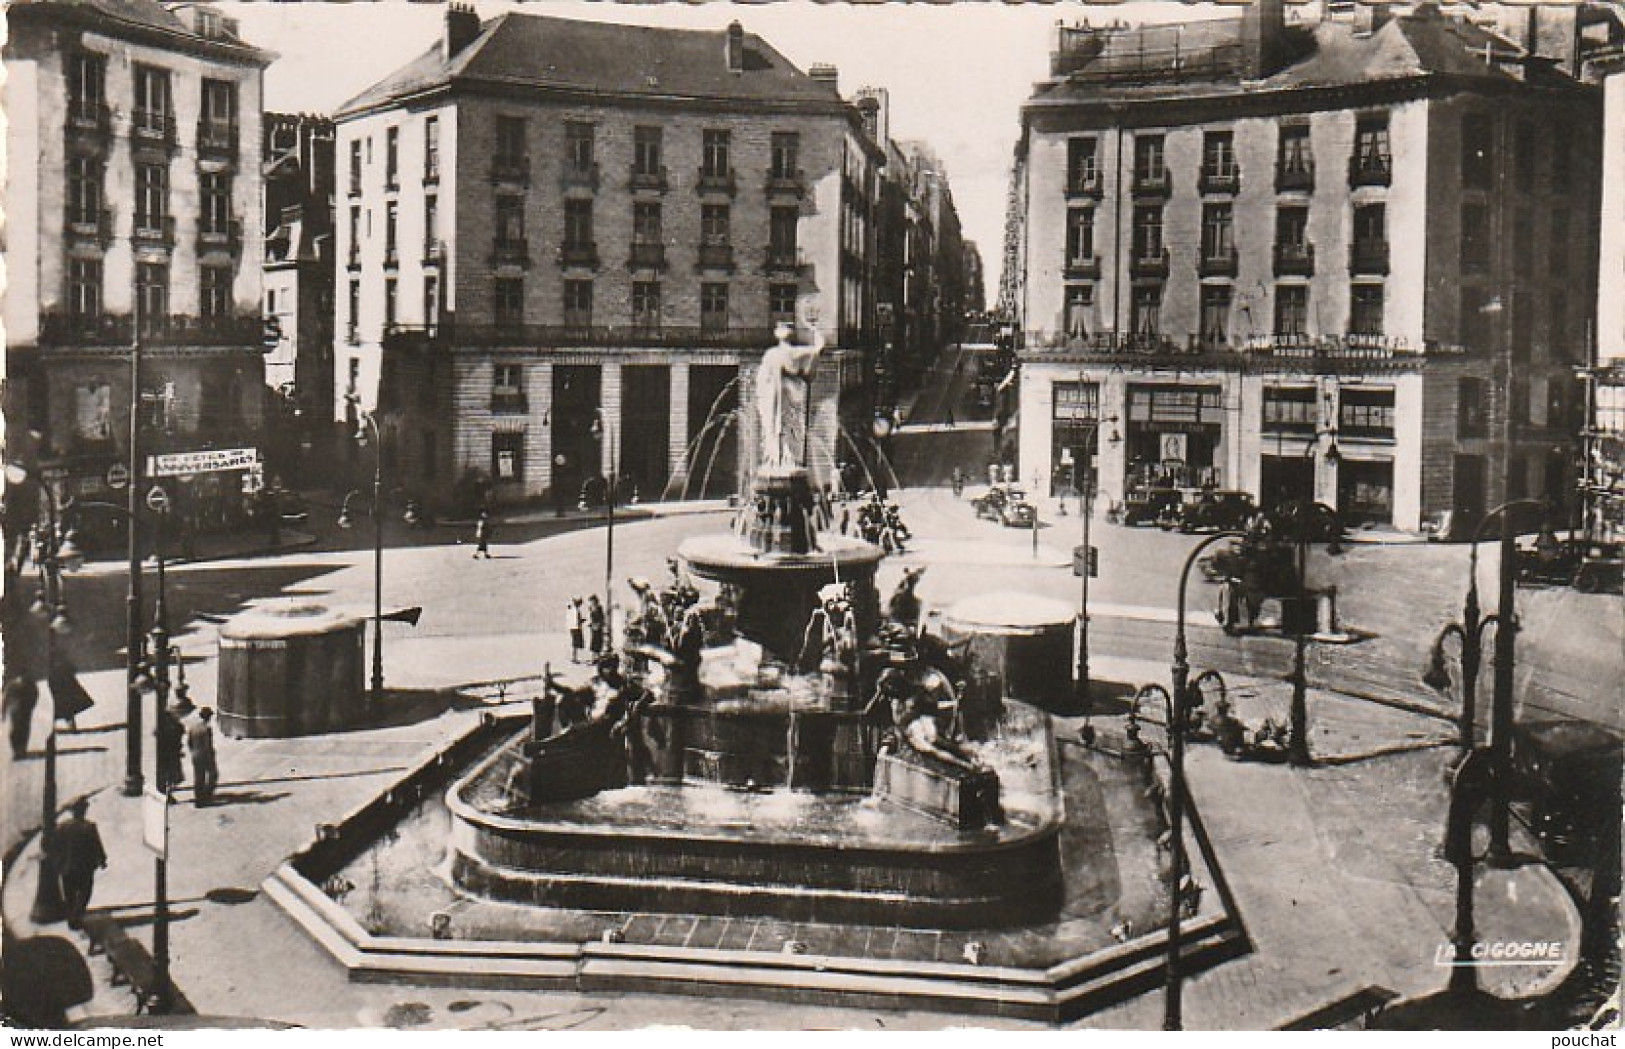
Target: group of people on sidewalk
column 176, row 726
column 588, row 626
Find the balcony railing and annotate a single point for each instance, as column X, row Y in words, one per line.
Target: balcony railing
column 1294, row 259
column 509, row 402
column 785, row 259
column 85, row 115
column 574, row 177
column 718, row 182
column 152, row 126
column 786, row 181
column 92, row 223
column 155, row 231
column 431, row 168
column 649, row 180
column 1220, row 178
column 515, row 251
column 1299, row 179
column 716, row 256
column 1218, row 262
column 1369, row 257
column 217, row 138
column 1149, row 264
column 646, row 256
column 510, row 169
column 1085, row 267
column 1152, row 183
column 1347, row 349
column 579, row 255
column 460, row 336
column 434, row 250
column 1084, row 183
column 1371, row 169
column 116, row 329
column 229, row 239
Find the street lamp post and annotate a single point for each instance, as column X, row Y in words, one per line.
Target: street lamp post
column 367, row 420
column 159, row 669
column 604, row 432
column 133, row 781
column 1303, row 516
column 1086, row 510
column 52, row 552
column 1172, row 1017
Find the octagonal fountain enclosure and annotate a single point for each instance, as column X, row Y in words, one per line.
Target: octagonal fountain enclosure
column 291, row 668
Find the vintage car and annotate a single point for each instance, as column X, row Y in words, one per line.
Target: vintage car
column 1220, row 511
column 1008, row 506
column 1590, row 567
column 1159, row 506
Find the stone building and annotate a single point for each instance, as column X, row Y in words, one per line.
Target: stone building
column 132, row 215
column 1348, row 260
column 1602, row 480
column 547, row 225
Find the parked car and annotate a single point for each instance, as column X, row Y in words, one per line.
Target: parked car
column 1324, row 525
column 1590, row 567
column 1160, row 506
column 1017, row 512
column 989, row 503
column 1221, row 511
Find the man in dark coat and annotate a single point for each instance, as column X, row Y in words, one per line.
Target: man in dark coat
column 170, row 735
column 482, row 536
column 205, row 769
column 21, row 696
column 77, row 850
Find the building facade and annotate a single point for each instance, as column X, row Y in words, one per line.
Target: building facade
column 133, row 205
column 298, row 226
column 1341, row 261
column 545, row 281
column 1602, row 480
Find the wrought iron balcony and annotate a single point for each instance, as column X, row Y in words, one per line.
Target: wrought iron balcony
column 152, row 127
column 718, row 182
column 1084, row 183
column 1371, row 169
column 716, row 256
column 514, row 251
column 1298, row 179
column 1218, row 262
column 783, row 259
column 646, row 256
column 1152, row 183
column 1220, row 178
column 228, row 239
column 585, row 255
column 1294, row 259
column 1149, row 264
column 649, row 180
column 154, row 230
column 117, row 329
column 786, row 181
column 509, row 402
column 1368, row 257
column 579, row 331
column 89, row 116
column 576, row 177
column 434, row 251
column 1086, row 267
column 90, row 224
column 512, row 170
column 217, row 139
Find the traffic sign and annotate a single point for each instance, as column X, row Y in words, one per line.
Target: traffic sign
column 118, row 476
column 1082, row 562
column 158, row 500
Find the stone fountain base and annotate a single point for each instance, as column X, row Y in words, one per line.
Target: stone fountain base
column 700, row 848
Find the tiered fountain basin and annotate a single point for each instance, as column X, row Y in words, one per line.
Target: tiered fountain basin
column 828, row 853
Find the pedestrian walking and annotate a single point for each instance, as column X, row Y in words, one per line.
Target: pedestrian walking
column 68, row 697
column 78, row 854
column 575, row 622
column 20, row 698
column 596, row 622
column 958, row 482
column 482, row 536
column 171, row 734
column 205, row 768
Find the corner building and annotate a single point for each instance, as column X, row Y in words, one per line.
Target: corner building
column 546, row 226
column 1343, row 261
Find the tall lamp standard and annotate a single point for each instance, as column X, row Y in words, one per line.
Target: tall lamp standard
column 1172, row 1017
column 53, row 551
column 1469, row 631
column 1302, row 518
column 602, row 430
column 133, row 780
column 369, row 422
column 1086, row 510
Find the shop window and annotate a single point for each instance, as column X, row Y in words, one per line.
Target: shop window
column 508, row 457
column 1367, row 413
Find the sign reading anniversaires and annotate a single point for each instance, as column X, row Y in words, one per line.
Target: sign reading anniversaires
column 213, row 460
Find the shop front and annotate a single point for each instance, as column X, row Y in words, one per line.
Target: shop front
column 1174, row 436
column 1075, row 415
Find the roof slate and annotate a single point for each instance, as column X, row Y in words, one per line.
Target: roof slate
column 545, row 52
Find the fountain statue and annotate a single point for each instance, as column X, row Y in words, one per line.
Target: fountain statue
column 784, row 682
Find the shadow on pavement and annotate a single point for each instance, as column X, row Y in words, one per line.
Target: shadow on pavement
column 42, row 977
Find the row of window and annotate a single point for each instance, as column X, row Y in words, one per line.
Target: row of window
column 1371, row 162
column 1361, row 412
column 1368, row 251
column 511, row 155
column 1366, row 303
column 508, row 304
column 85, row 288
column 87, row 197
column 153, row 106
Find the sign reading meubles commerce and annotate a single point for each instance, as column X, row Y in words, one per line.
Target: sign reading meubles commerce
column 212, row 460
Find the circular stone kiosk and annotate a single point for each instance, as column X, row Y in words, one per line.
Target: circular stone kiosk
column 1025, row 642
column 291, row 669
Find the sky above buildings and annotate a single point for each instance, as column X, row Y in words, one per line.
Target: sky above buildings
column 957, row 73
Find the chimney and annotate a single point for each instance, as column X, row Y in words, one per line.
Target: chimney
column 869, row 110
column 736, row 48
column 1263, row 38
column 462, row 26
column 824, row 73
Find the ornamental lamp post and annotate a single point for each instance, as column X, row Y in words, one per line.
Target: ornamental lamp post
column 53, row 552
column 368, row 421
column 1086, row 510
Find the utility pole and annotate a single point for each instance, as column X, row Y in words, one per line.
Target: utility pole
column 133, row 779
